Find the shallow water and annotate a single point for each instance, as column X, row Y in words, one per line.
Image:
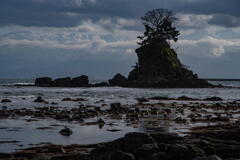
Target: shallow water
column 26, row 133
column 29, row 134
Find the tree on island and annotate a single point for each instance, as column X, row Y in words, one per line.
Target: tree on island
column 158, row 25
column 157, row 61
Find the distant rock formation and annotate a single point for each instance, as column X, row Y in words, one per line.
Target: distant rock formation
column 81, row 81
column 158, row 66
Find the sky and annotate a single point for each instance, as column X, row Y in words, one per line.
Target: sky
column 59, row 38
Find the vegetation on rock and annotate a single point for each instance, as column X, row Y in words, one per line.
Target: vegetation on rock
column 157, row 61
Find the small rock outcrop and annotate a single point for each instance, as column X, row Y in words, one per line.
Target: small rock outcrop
column 118, row 80
column 81, row 81
column 66, row 132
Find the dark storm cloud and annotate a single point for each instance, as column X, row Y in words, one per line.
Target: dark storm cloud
column 64, row 13
column 225, row 20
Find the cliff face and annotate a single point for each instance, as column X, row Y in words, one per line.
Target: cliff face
column 159, row 65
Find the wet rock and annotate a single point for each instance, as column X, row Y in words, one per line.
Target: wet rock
column 213, row 99
column 100, row 120
column 185, row 98
column 66, row 132
column 161, row 98
column 39, row 100
column 116, row 106
column 114, row 130
column 6, row 101
column 4, row 107
column 51, row 149
column 141, row 100
column 43, row 82
column 120, row 155
column 67, row 99
column 213, row 157
column 73, row 99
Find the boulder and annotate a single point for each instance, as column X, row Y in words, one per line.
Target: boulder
column 118, row 80
column 6, row 101
column 43, row 82
column 79, row 81
column 39, row 100
column 116, row 106
column 66, row 132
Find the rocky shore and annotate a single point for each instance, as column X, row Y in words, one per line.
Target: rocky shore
column 210, row 132
column 182, row 110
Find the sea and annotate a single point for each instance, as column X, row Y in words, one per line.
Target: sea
column 17, row 133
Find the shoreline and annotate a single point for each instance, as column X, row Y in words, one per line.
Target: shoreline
column 204, row 145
